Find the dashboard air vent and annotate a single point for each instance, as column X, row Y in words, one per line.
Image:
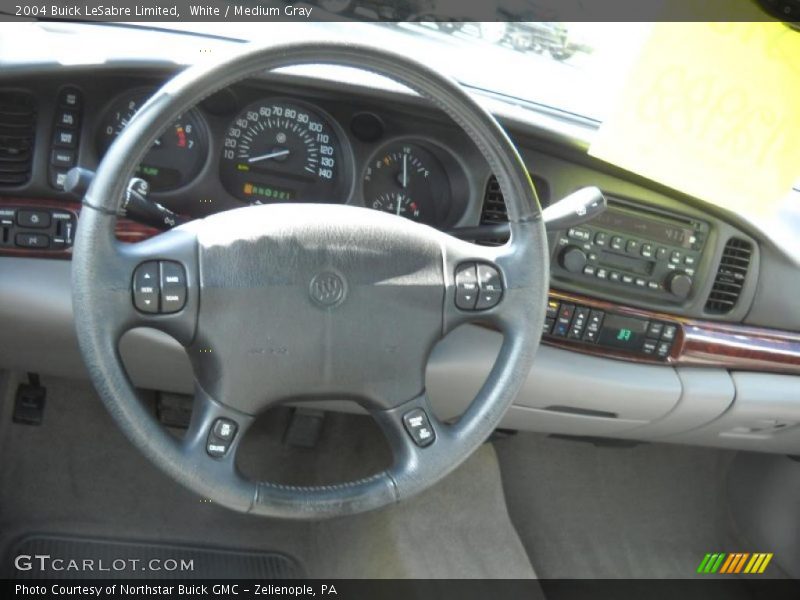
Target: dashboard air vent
column 731, row 274
column 494, row 205
column 17, row 131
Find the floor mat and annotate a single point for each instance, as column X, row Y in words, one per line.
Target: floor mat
column 80, row 558
column 77, row 476
column 583, row 511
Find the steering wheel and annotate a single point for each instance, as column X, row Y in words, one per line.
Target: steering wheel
column 307, row 301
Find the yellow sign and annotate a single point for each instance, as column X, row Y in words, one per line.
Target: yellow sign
column 712, row 110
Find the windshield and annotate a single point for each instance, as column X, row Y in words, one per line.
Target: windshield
column 571, row 67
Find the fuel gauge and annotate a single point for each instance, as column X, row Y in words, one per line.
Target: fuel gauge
column 408, row 180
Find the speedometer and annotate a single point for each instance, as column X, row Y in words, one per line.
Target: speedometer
column 279, row 151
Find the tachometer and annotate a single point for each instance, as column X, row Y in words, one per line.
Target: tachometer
column 279, row 151
column 176, row 156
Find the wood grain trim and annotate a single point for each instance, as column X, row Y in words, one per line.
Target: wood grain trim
column 699, row 343
column 126, row 230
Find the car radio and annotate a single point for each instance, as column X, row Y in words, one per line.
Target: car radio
column 631, row 247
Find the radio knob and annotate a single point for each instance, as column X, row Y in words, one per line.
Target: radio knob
column 573, row 259
column 679, row 284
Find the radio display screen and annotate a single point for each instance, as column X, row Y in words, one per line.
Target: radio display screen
column 626, row 333
column 650, row 229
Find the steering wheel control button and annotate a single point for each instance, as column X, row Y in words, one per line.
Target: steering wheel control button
column 224, row 429
column 173, row 286
column 490, row 285
column 478, row 286
column 220, row 437
column 145, row 287
column 466, row 286
column 419, row 427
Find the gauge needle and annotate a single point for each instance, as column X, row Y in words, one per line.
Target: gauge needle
column 405, row 170
column 275, row 154
column 399, row 203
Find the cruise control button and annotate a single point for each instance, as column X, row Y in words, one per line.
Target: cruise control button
column 466, row 286
column 419, row 427
column 173, row 286
column 221, row 437
column 224, row 429
column 145, row 287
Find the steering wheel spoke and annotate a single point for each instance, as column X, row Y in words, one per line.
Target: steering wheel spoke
column 159, row 276
column 412, row 430
column 215, row 431
column 489, row 284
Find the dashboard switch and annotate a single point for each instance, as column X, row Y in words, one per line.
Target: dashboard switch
column 145, row 287
column 32, row 240
column 35, row 219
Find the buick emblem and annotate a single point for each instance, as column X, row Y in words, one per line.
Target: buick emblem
column 327, row 289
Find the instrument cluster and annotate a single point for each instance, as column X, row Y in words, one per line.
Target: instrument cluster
column 284, row 149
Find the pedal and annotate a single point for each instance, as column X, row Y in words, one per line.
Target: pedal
column 174, row 410
column 29, row 402
column 305, row 428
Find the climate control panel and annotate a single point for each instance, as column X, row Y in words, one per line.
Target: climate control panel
column 584, row 325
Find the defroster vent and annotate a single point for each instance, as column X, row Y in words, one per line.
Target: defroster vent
column 17, row 131
column 731, row 275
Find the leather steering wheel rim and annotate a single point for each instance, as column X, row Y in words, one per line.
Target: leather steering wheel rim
column 237, row 259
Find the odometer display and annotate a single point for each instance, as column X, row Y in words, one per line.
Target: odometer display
column 278, row 151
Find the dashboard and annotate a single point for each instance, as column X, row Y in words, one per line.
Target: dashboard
column 659, row 298
column 255, row 144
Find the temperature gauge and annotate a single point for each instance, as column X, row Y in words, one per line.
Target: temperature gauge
column 408, row 180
